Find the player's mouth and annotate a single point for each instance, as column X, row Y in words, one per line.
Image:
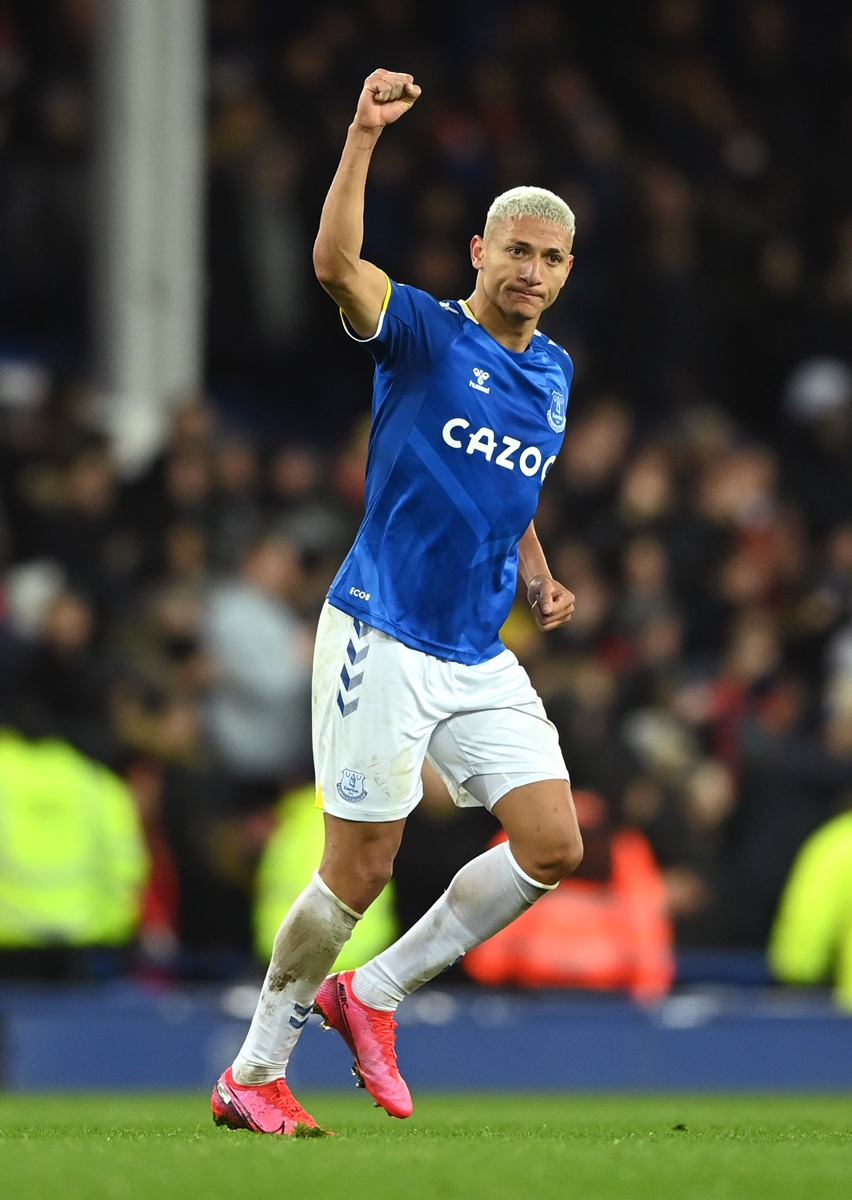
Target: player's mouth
column 530, row 297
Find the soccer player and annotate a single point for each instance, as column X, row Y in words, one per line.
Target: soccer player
column 468, row 417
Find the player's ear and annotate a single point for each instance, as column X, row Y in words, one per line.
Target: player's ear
column 476, row 244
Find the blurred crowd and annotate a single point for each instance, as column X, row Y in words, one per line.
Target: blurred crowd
column 701, row 509
column 163, row 627
column 701, row 145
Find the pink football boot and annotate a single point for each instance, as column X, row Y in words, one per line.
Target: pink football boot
column 371, row 1035
column 265, row 1108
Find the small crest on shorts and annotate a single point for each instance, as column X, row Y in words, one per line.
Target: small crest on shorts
column 556, row 412
column 351, row 786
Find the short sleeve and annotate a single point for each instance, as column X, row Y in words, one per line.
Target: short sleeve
column 413, row 327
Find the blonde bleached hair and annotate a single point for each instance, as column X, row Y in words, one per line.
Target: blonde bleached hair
column 530, row 202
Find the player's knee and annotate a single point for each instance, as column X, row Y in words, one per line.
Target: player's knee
column 558, row 858
column 573, row 854
column 373, row 873
column 357, row 880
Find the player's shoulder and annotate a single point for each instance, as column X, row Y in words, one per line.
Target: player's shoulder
column 405, row 295
column 558, row 354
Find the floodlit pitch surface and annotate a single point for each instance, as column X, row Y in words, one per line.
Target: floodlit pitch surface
column 124, row 1147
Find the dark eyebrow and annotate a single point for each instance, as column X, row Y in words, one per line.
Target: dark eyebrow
column 528, row 246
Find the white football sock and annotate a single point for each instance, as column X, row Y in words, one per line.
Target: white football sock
column 484, row 897
column 309, row 940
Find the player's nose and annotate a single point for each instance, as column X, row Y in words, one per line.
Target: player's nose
column 532, row 272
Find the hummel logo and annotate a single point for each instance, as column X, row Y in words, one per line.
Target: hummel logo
column 481, row 377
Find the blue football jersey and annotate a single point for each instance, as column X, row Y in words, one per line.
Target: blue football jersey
column 464, row 432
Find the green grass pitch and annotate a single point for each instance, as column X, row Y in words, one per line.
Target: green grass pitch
column 146, row 1147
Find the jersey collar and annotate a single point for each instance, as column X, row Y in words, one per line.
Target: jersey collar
column 531, row 348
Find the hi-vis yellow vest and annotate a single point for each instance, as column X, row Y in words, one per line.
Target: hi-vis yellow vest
column 812, row 936
column 73, row 861
column 289, row 859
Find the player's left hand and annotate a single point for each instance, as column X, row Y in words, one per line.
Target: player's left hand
column 552, row 604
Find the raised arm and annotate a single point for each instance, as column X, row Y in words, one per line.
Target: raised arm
column 551, row 603
column 359, row 287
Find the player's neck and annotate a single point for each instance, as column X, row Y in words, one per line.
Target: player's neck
column 509, row 334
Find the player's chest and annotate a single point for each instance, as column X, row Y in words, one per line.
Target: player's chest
column 485, row 410
column 490, row 389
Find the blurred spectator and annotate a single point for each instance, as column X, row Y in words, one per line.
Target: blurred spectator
column 819, row 399
column 74, row 859
column 82, row 527
column 46, row 217
column 302, row 508
column 159, row 920
column 646, row 596
column 788, row 791
column 176, row 489
column 259, row 259
column 62, row 681
column 258, row 710
column 590, row 622
column 158, row 644
column 588, row 468
column 236, row 515
column 604, row 928
column 582, row 706
column 211, row 845
column 811, row 938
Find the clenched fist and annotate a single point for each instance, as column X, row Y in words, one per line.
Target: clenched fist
column 552, row 604
column 385, row 97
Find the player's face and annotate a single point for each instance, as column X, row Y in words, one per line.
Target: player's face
column 524, row 263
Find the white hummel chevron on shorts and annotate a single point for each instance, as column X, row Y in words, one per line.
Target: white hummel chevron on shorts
column 380, row 707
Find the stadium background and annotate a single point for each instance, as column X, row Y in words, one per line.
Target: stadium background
column 701, row 509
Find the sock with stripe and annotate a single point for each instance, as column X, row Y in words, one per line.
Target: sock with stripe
column 309, row 940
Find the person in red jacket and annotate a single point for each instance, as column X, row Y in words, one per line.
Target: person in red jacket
column 605, row 928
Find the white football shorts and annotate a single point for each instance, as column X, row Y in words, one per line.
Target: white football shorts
column 380, row 707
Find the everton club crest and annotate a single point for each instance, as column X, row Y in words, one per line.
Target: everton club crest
column 556, row 412
column 351, row 786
